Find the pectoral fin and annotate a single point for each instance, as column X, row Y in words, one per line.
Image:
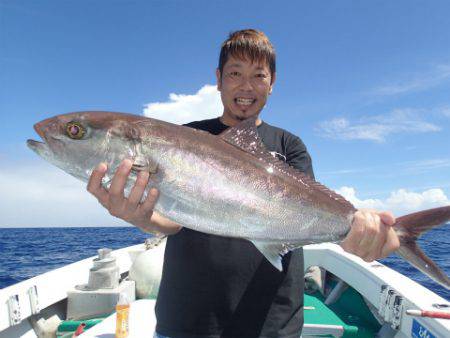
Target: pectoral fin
column 143, row 164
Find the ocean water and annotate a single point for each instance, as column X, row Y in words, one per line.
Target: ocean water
column 27, row 252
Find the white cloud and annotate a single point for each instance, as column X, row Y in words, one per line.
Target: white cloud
column 400, row 202
column 417, row 82
column 445, row 110
column 422, row 166
column 376, row 128
column 182, row 108
column 395, row 168
column 350, row 194
column 406, row 200
column 44, row 196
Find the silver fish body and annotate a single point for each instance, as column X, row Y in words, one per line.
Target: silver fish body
column 226, row 185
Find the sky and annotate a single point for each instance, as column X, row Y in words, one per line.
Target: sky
column 365, row 84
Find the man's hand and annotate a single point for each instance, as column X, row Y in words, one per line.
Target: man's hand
column 130, row 209
column 371, row 236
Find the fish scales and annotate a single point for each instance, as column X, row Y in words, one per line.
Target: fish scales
column 264, row 204
column 227, row 185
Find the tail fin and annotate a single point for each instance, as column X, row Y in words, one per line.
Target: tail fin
column 409, row 228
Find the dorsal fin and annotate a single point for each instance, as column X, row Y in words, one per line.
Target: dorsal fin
column 307, row 181
column 245, row 137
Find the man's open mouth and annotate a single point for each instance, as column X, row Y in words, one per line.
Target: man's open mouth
column 244, row 101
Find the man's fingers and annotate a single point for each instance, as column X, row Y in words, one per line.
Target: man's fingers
column 392, row 243
column 387, row 217
column 138, row 190
column 116, row 197
column 370, row 231
column 384, row 221
column 357, row 231
column 371, row 245
column 371, row 235
column 95, row 186
column 146, row 208
column 363, row 239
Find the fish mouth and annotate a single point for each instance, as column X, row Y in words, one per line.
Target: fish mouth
column 41, row 148
column 39, row 127
column 35, row 144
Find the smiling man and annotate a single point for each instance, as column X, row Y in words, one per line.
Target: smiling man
column 223, row 287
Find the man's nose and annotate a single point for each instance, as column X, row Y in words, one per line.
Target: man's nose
column 246, row 83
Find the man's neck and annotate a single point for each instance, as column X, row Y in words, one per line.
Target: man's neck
column 231, row 122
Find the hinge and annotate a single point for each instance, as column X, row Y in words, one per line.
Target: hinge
column 390, row 306
column 34, row 300
column 14, row 310
column 397, row 312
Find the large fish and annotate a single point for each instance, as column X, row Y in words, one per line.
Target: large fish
column 227, row 185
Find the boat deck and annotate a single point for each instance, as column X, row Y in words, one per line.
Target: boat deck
column 348, row 317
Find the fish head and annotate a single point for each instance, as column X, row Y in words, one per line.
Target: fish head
column 78, row 142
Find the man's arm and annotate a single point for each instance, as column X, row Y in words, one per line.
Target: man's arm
column 130, row 209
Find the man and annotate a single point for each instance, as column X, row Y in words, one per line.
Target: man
column 223, row 287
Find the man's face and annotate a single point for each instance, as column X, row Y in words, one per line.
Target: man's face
column 244, row 88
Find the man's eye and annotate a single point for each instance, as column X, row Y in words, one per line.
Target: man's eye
column 234, row 74
column 261, row 75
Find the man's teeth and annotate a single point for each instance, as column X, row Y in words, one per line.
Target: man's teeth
column 245, row 102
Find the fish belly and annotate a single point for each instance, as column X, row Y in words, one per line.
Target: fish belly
column 213, row 204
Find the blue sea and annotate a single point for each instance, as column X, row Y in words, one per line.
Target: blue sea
column 27, row 252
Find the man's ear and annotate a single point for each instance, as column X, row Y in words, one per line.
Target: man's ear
column 274, row 77
column 219, row 80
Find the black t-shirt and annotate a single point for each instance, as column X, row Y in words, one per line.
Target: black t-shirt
column 216, row 286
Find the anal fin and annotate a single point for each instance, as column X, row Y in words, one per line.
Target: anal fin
column 272, row 251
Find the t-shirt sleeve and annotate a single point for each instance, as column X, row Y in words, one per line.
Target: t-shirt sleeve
column 298, row 157
column 193, row 124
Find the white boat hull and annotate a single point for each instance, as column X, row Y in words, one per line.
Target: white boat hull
column 366, row 278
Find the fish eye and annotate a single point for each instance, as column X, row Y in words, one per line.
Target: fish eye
column 75, row 130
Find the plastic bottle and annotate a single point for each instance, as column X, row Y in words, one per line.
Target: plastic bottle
column 79, row 330
column 122, row 318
